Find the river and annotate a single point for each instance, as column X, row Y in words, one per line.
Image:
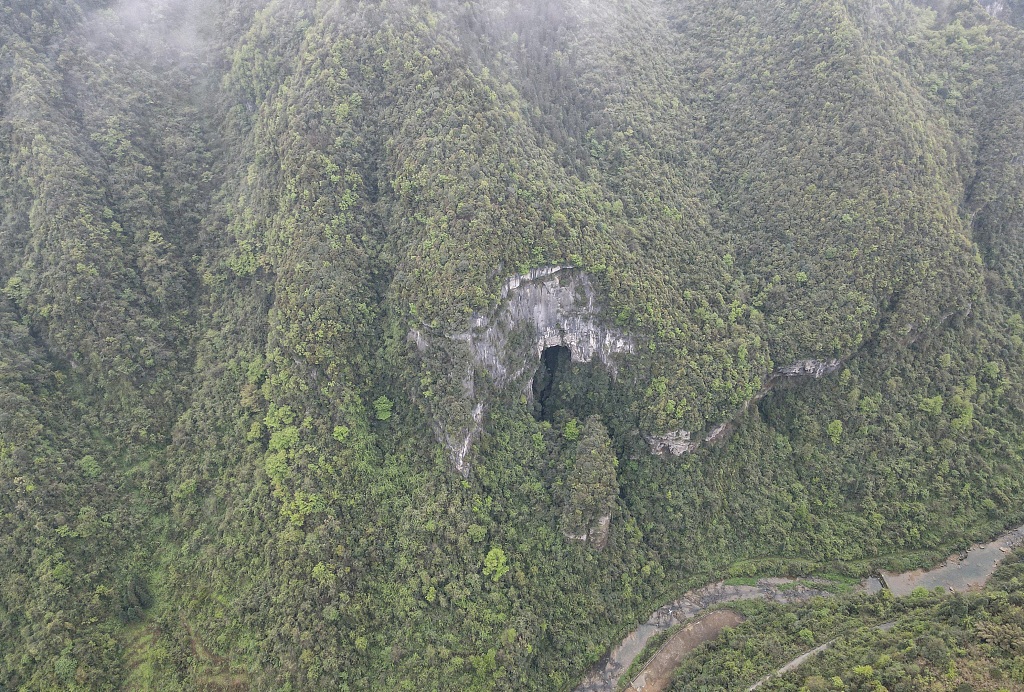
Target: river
column 960, row 572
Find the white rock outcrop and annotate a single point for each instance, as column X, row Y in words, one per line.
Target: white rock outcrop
column 810, row 368
column 994, row 7
column 717, row 433
column 548, row 306
column 677, row 442
column 556, row 306
column 464, row 439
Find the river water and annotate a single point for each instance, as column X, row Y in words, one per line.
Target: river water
column 605, row 675
column 960, row 572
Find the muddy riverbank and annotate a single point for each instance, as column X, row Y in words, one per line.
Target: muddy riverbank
column 961, row 572
column 656, row 676
column 605, row 675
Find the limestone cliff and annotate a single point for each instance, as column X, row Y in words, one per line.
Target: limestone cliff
column 551, row 306
column 548, row 306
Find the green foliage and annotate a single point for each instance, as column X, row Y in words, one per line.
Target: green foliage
column 382, row 407
column 931, row 405
column 591, row 480
column 835, row 431
column 64, row 668
column 135, row 599
column 495, row 564
column 90, row 467
column 227, row 229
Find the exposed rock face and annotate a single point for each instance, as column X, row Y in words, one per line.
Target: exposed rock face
column 549, row 306
column 416, row 336
column 463, row 440
column 680, row 442
column 596, row 535
column 994, row 7
column 717, row 433
column 556, row 306
column 677, row 442
column 810, row 368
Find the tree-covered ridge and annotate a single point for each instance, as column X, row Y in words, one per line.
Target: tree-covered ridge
column 222, row 224
column 99, row 191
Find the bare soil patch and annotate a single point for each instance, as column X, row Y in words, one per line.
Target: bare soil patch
column 657, row 674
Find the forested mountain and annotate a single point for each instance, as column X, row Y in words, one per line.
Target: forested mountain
column 398, row 345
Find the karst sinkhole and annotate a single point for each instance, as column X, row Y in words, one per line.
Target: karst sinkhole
column 554, row 365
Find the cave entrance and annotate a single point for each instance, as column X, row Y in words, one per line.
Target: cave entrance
column 554, row 365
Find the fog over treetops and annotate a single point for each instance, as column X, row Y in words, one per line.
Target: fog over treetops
column 398, row 345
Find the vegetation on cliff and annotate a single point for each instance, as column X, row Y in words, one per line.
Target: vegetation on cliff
column 222, row 223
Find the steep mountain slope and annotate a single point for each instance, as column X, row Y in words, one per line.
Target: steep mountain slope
column 280, row 281
column 100, row 200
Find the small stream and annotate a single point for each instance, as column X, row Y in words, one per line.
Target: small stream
column 960, row 572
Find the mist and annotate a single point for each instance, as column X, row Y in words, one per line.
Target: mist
column 161, row 31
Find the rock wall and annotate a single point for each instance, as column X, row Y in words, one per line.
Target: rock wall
column 557, row 307
column 680, row 442
column 676, row 443
column 549, row 306
column 994, row 7
column 810, row 368
column 596, row 534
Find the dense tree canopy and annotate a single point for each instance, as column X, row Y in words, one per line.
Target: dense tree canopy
column 240, row 240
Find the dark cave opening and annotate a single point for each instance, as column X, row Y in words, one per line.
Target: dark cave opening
column 554, row 364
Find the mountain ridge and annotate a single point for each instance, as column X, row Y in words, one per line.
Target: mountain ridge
column 223, row 446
